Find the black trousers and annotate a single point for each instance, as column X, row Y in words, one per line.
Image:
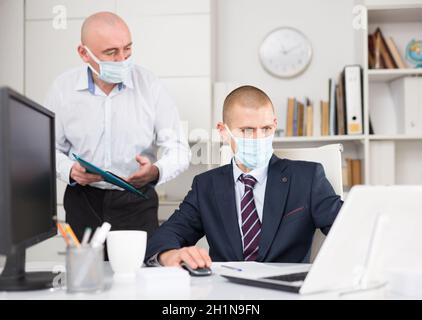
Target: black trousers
column 87, row 206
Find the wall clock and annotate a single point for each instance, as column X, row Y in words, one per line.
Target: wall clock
column 285, row 52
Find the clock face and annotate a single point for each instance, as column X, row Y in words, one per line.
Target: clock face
column 285, row 52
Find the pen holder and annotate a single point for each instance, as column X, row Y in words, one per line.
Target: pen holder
column 85, row 269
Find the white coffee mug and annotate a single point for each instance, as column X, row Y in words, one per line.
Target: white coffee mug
column 126, row 251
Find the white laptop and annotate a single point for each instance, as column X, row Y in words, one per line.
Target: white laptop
column 378, row 228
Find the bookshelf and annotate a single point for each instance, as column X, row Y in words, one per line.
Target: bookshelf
column 388, row 156
column 398, row 137
column 329, row 139
column 392, row 156
column 387, row 75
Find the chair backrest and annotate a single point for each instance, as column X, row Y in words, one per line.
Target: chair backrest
column 330, row 158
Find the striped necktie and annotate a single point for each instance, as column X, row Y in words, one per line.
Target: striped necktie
column 251, row 226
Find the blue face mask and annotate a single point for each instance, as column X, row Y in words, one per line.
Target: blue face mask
column 111, row 71
column 253, row 153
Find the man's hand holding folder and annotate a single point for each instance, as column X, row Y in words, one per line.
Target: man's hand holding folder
column 107, row 176
column 81, row 176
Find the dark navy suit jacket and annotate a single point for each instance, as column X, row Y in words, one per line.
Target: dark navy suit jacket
column 298, row 200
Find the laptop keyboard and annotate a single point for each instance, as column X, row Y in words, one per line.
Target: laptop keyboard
column 289, row 277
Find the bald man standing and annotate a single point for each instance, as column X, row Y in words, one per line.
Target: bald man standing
column 116, row 115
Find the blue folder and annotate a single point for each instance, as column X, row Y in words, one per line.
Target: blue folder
column 109, row 176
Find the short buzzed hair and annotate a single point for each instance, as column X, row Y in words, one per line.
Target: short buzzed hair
column 245, row 96
column 104, row 17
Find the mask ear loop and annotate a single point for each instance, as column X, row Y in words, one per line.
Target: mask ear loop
column 230, row 133
column 97, row 61
column 232, row 137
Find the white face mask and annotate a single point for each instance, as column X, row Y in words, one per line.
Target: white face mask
column 253, row 153
column 111, row 71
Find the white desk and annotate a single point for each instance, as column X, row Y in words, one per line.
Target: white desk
column 212, row 287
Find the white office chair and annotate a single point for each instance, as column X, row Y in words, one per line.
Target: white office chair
column 330, row 158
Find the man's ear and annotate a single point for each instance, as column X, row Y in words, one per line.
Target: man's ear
column 223, row 132
column 83, row 53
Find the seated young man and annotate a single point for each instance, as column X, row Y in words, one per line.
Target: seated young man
column 257, row 208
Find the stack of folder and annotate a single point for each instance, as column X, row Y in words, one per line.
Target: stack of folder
column 383, row 52
column 342, row 114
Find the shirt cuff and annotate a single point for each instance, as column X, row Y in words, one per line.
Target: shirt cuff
column 153, row 261
column 154, row 182
column 72, row 182
column 160, row 179
column 64, row 168
column 171, row 167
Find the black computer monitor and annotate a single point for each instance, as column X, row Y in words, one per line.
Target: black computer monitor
column 27, row 187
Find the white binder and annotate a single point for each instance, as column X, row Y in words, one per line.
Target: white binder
column 353, row 99
column 407, row 97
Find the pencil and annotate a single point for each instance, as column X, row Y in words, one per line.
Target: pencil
column 63, row 233
column 72, row 235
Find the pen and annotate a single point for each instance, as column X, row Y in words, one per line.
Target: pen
column 69, row 230
column 85, row 238
column 100, row 235
column 98, row 239
column 95, row 233
column 232, row 268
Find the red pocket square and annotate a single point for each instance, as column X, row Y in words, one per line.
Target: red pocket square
column 294, row 211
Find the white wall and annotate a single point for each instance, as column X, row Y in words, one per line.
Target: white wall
column 172, row 38
column 243, row 24
column 11, row 43
column 51, row 49
column 392, row 2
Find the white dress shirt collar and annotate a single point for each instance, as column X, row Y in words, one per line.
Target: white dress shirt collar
column 260, row 174
column 86, row 81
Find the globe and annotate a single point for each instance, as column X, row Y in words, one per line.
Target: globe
column 414, row 52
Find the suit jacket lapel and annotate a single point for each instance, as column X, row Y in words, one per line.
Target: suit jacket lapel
column 226, row 200
column 276, row 191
